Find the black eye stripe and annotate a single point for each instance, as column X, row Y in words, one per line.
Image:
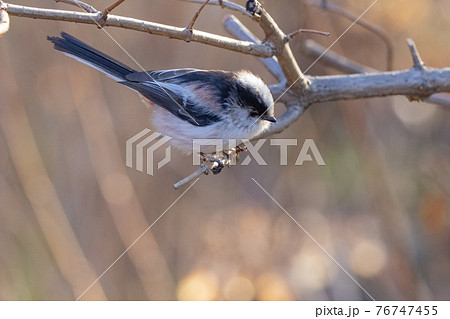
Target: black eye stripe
column 249, row 98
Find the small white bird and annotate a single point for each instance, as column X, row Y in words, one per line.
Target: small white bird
column 194, row 104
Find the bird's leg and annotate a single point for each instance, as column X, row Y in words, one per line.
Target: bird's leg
column 212, row 158
column 222, row 159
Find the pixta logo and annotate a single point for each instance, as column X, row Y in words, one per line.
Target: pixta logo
column 150, row 148
column 144, row 144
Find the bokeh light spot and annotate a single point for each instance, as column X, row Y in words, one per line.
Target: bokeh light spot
column 368, row 258
column 271, row 286
column 197, row 286
column 239, row 288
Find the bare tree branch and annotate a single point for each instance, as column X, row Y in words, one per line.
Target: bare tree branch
column 417, row 83
column 422, row 83
column 411, row 82
column 260, row 50
column 348, row 66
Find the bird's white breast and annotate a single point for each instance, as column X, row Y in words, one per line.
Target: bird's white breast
column 183, row 134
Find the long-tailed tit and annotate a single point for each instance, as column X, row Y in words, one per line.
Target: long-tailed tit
column 194, row 104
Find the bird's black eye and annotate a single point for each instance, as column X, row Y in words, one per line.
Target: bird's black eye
column 254, row 113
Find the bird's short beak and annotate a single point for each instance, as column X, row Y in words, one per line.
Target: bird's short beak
column 269, row 118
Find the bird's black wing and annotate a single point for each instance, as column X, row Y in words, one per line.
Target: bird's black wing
column 172, row 99
column 157, row 86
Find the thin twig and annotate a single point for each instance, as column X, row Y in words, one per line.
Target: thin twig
column 260, row 50
column 417, row 60
column 86, row 7
column 225, row 4
column 329, row 6
column 334, row 59
column 441, row 99
column 111, row 8
column 190, row 28
column 417, row 64
column 204, row 169
column 291, row 35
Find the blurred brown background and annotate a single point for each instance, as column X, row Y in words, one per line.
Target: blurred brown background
column 69, row 206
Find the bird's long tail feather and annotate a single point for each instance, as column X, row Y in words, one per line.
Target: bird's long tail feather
column 86, row 54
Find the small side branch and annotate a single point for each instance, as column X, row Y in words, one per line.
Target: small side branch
column 204, row 169
column 291, row 35
column 333, row 59
column 442, row 99
column 417, row 60
column 86, row 7
column 111, row 8
column 224, row 4
column 190, row 28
